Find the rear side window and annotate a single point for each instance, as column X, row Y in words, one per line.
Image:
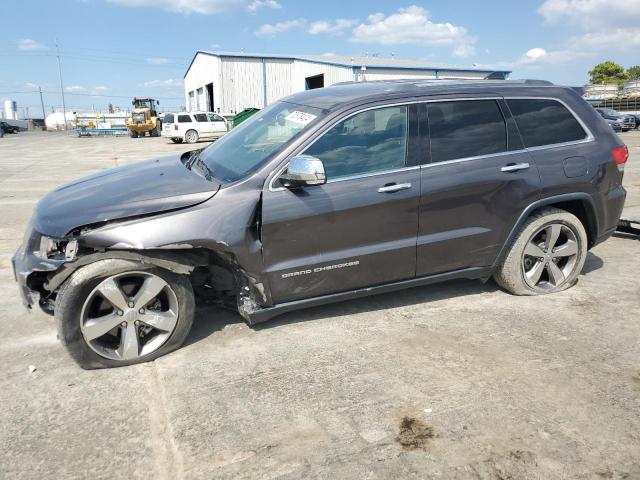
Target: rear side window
column 545, row 122
column 467, row 128
column 184, row 118
column 201, row 117
column 168, row 118
column 370, row 141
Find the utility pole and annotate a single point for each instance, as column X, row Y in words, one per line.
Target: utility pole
column 64, row 108
column 44, row 115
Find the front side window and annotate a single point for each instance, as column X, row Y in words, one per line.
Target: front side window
column 466, row 128
column 201, row 117
column 370, row 141
column 215, row 118
column 184, row 118
column 545, row 122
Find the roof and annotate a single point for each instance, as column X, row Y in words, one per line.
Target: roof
column 349, row 94
column 354, row 62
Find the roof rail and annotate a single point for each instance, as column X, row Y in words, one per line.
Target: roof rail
column 433, row 81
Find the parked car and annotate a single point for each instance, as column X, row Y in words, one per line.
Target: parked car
column 6, row 128
column 327, row 195
column 194, row 126
column 627, row 122
column 637, row 120
column 615, row 124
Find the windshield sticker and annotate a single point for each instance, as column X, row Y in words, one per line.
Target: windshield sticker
column 301, row 118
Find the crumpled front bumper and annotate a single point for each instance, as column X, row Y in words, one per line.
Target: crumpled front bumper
column 25, row 264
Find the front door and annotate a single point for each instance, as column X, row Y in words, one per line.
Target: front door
column 358, row 229
column 476, row 183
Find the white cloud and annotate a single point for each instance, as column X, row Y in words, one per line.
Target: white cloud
column 591, row 14
column 157, row 60
column 169, row 83
column 412, row 25
column 257, row 4
column 75, row 88
column 203, row 7
column 336, row 27
column 29, row 44
column 268, row 29
column 30, row 85
column 101, row 88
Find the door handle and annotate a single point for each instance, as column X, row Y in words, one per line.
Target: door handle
column 394, row 187
column 514, row 167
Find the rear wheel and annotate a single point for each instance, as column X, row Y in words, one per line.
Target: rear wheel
column 118, row 312
column 191, row 136
column 546, row 256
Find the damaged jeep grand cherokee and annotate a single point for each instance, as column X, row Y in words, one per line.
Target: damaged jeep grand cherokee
column 327, row 195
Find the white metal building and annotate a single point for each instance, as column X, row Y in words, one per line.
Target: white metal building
column 230, row 82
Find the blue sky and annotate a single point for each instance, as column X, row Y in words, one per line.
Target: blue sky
column 115, row 49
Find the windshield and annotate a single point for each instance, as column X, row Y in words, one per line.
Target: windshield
column 249, row 146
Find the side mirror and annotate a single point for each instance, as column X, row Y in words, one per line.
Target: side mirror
column 303, row 170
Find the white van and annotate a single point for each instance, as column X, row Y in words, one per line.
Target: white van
column 193, row 126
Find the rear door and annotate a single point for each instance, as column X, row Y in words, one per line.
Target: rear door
column 358, row 229
column 476, row 182
column 167, row 123
column 205, row 130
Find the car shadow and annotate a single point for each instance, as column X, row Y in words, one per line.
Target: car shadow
column 210, row 319
column 592, row 263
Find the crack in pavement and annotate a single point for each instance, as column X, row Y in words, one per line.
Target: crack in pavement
column 163, row 442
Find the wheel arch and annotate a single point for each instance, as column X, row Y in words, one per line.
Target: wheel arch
column 579, row 204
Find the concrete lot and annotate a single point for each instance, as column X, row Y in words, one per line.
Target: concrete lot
column 507, row 387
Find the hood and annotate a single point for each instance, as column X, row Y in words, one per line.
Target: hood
column 138, row 189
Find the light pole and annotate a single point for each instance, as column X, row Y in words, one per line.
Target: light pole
column 64, row 107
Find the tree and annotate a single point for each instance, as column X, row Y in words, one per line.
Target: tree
column 608, row 72
column 633, row 72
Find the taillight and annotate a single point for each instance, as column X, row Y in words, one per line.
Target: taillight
column 175, row 126
column 620, row 155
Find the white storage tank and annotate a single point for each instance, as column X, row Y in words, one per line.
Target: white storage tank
column 10, row 110
column 54, row 121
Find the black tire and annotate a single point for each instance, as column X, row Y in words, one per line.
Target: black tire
column 133, row 134
column 191, row 136
column 176, row 140
column 510, row 273
column 74, row 292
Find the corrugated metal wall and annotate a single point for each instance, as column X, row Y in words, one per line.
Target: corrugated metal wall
column 279, row 79
column 241, row 81
column 332, row 74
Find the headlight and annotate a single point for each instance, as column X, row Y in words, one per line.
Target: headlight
column 57, row 248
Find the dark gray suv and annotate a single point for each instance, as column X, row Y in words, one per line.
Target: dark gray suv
column 328, row 195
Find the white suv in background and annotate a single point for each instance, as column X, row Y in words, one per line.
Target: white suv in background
column 193, row 126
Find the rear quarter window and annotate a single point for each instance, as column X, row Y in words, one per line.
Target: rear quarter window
column 545, row 122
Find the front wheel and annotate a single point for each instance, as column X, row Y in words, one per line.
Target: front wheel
column 116, row 312
column 546, row 256
column 133, row 134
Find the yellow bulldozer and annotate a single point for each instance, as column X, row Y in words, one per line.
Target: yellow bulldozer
column 144, row 118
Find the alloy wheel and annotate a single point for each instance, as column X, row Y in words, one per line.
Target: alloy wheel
column 129, row 315
column 550, row 256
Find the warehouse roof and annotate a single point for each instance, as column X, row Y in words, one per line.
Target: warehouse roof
column 355, row 62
